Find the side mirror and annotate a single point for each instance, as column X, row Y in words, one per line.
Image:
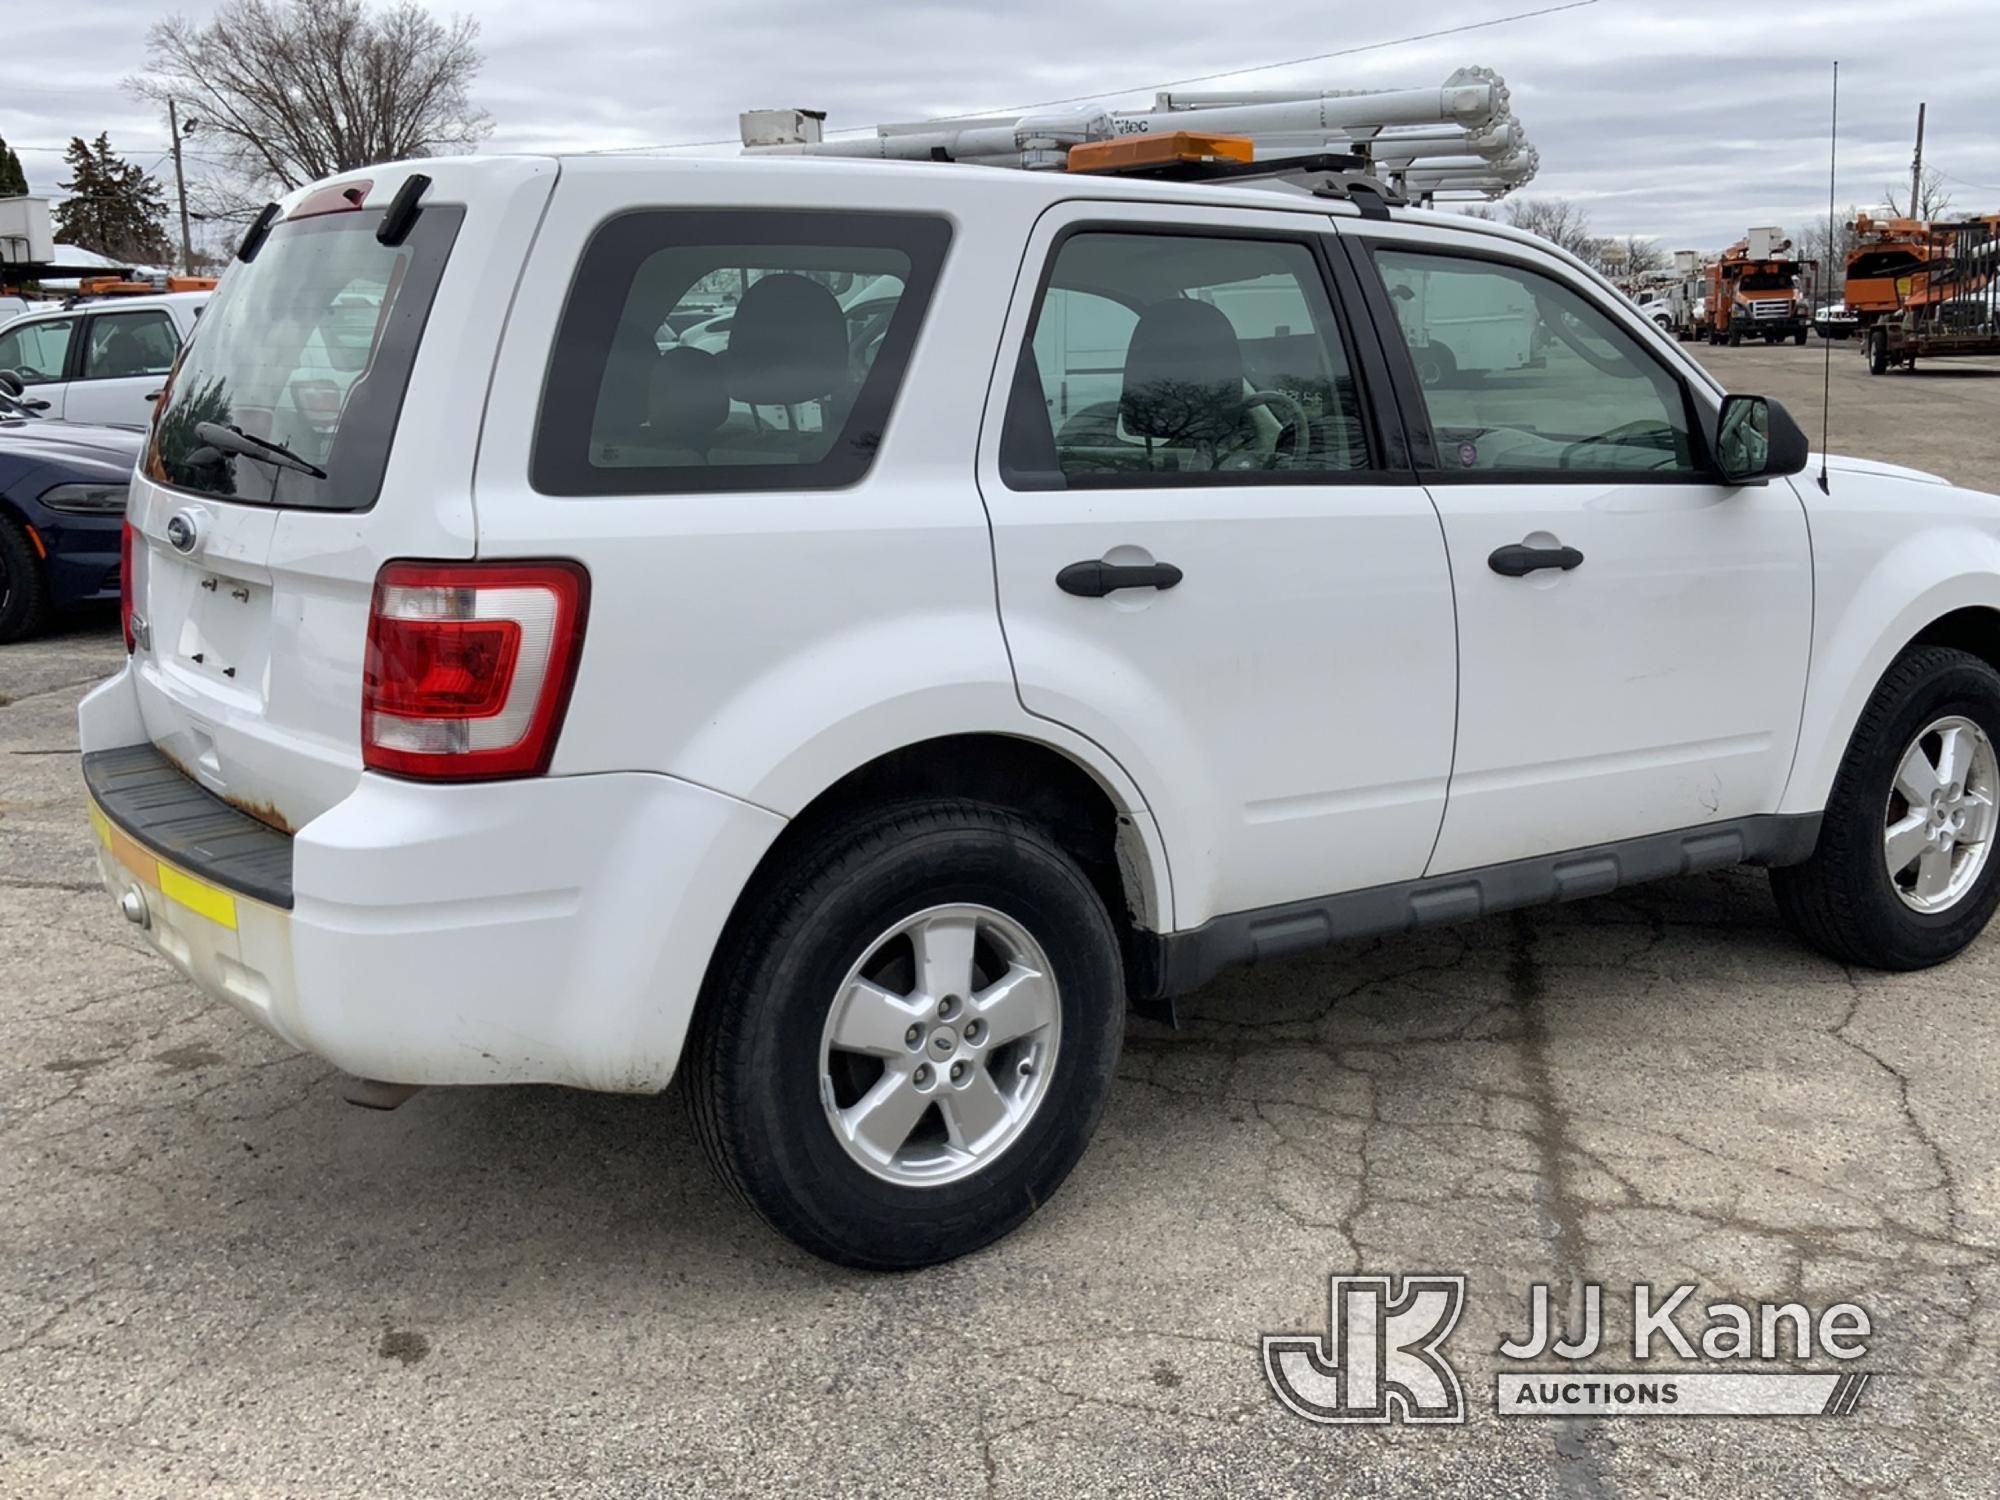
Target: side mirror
column 1758, row 440
column 10, row 383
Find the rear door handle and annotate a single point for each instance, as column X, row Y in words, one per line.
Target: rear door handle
column 1516, row 560
column 1094, row 579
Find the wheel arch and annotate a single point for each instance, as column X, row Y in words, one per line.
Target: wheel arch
column 1851, row 658
column 1096, row 817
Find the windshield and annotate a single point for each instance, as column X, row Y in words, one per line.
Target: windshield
column 1766, row 281
column 307, row 347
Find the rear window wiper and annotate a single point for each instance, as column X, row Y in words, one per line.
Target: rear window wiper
column 228, row 439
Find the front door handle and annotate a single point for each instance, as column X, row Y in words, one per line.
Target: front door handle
column 1094, row 579
column 1517, row 560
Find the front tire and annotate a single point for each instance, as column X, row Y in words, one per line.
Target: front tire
column 1904, row 875
column 906, row 1040
column 1436, row 364
column 24, row 590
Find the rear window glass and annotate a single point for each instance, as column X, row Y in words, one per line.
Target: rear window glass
column 754, row 350
column 307, row 347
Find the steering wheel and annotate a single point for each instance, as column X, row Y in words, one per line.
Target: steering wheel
column 1299, row 425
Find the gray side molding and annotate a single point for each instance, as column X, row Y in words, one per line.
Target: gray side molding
column 1190, row 959
column 150, row 798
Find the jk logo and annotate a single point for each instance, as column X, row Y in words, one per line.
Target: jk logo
column 1381, row 1363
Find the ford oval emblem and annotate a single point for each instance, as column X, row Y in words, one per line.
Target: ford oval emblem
column 181, row 532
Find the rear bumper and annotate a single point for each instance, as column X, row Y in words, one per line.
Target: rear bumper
column 552, row 930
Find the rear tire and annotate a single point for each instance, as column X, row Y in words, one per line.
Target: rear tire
column 24, row 588
column 778, row 1103
column 1845, row 900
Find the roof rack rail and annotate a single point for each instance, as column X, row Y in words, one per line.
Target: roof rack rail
column 1370, row 194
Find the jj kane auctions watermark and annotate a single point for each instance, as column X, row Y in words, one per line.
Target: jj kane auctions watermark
column 1383, row 1359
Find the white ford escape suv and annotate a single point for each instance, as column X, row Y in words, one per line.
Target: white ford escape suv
column 1043, row 591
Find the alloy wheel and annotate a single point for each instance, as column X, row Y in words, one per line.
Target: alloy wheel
column 1939, row 825
column 939, row 1045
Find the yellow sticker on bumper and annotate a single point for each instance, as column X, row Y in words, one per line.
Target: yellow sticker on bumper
column 197, row 895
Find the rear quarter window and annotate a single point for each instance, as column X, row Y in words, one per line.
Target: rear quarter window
column 740, row 350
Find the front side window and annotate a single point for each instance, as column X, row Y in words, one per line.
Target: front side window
column 127, row 344
column 1160, row 357
column 1520, row 374
column 36, row 351
column 753, row 350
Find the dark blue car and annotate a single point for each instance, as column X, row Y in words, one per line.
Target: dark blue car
column 62, row 510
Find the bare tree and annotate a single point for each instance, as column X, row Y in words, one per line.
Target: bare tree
column 1561, row 221
column 1933, row 198
column 1825, row 243
column 1642, row 256
column 287, row 91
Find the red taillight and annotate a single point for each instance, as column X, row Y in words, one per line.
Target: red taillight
column 470, row 667
column 125, row 586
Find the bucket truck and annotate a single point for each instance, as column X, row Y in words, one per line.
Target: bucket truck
column 1753, row 292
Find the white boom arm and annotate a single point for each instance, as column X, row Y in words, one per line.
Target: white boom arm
column 1459, row 139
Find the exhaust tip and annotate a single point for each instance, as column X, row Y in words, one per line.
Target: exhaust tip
column 372, row 1093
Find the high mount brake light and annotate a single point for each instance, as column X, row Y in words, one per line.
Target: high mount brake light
column 470, row 667
column 341, row 198
column 1137, row 152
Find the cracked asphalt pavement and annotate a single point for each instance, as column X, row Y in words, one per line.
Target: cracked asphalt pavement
column 222, row 1279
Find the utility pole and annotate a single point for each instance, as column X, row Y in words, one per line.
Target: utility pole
column 180, row 188
column 1917, row 166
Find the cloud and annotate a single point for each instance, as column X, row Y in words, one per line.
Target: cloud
column 1687, row 123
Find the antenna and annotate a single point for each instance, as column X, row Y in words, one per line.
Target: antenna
column 1826, row 374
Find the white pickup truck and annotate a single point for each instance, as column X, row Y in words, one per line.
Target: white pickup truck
column 102, row 360
column 838, row 717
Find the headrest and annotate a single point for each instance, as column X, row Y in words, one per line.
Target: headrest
column 687, row 402
column 787, row 343
column 1183, row 374
column 626, row 389
column 123, row 355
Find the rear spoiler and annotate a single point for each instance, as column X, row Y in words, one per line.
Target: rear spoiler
column 393, row 230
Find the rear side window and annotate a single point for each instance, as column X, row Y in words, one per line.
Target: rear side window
column 36, row 351
column 1161, row 358
column 122, row 345
column 752, row 350
column 307, row 348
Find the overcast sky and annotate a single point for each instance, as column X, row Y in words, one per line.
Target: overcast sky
column 1687, row 122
